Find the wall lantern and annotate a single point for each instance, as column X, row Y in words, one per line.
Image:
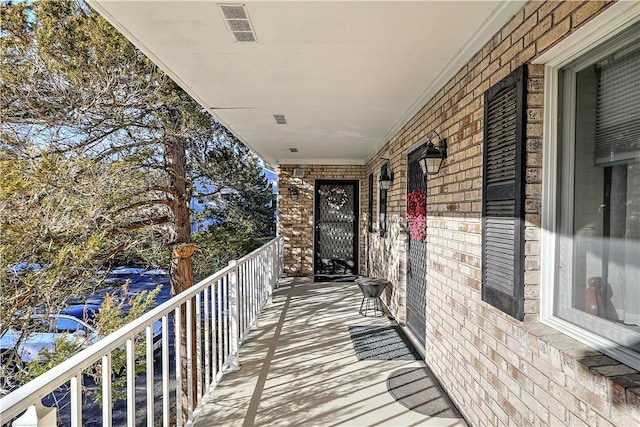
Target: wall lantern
column 293, row 193
column 432, row 156
column 384, row 183
column 385, row 180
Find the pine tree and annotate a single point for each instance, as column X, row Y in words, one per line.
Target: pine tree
column 101, row 155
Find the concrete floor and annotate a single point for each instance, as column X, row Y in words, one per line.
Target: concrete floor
column 299, row 368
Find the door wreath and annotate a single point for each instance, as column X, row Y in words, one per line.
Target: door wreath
column 336, row 198
column 417, row 214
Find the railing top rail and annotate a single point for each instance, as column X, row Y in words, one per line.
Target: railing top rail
column 20, row 399
column 256, row 251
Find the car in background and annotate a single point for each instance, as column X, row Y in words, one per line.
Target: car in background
column 88, row 313
column 44, row 331
column 85, row 312
column 77, row 319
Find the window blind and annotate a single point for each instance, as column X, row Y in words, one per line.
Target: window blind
column 618, row 109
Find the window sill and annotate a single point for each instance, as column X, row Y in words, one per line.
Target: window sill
column 608, row 386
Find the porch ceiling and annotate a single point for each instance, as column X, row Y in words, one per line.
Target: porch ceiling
column 346, row 75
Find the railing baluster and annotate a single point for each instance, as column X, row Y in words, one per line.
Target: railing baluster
column 256, row 293
column 166, row 400
column 260, row 281
column 264, row 278
column 225, row 302
column 249, row 301
column 234, row 362
column 198, row 321
column 207, row 347
column 246, row 286
column 149, row 373
column 177, row 321
column 240, row 296
column 214, row 334
column 131, row 383
column 189, row 356
column 76, row 400
column 246, row 298
column 107, row 416
column 220, row 326
column 252, row 279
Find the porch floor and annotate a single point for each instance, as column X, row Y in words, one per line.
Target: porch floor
column 299, row 367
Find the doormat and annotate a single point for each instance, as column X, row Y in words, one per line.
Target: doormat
column 382, row 343
column 417, row 390
column 334, row 278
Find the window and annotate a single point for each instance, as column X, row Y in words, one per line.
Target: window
column 64, row 324
column 595, row 284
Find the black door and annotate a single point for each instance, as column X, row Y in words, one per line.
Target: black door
column 417, row 253
column 336, row 236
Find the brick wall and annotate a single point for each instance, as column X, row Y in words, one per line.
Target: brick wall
column 498, row 371
column 295, row 218
column 386, row 256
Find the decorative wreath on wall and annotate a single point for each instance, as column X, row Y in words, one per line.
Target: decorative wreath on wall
column 417, row 214
column 336, row 198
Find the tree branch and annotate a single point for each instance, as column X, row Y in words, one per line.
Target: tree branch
column 138, row 224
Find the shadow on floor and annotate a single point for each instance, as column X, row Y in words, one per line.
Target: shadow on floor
column 299, row 367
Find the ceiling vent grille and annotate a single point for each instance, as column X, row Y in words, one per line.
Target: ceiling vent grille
column 238, row 23
column 280, row 119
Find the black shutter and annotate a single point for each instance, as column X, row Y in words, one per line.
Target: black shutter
column 503, row 195
column 370, row 210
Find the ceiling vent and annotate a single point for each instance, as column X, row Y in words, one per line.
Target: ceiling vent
column 237, row 19
column 280, row 119
column 293, row 149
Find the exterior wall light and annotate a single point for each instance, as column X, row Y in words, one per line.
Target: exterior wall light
column 385, row 180
column 384, row 183
column 293, row 193
column 432, row 156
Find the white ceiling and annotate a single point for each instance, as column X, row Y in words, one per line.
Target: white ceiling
column 346, row 75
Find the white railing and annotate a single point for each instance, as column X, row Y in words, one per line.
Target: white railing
column 227, row 304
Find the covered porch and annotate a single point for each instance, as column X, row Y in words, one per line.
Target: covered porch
column 354, row 91
column 299, row 366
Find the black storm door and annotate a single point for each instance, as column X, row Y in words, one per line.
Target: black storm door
column 336, row 235
column 417, row 249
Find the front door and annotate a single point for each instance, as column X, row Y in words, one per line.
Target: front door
column 417, row 253
column 336, row 233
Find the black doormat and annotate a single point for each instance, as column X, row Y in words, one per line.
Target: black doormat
column 334, row 278
column 416, row 389
column 382, row 343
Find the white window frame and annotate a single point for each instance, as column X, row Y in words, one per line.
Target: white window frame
column 608, row 24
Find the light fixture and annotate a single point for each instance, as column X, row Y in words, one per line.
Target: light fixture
column 385, row 179
column 432, row 156
column 293, row 193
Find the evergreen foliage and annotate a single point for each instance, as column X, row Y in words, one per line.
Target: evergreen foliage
column 100, row 156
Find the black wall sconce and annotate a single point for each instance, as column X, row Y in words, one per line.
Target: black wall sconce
column 385, row 179
column 293, row 193
column 433, row 155
column 384, row 184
